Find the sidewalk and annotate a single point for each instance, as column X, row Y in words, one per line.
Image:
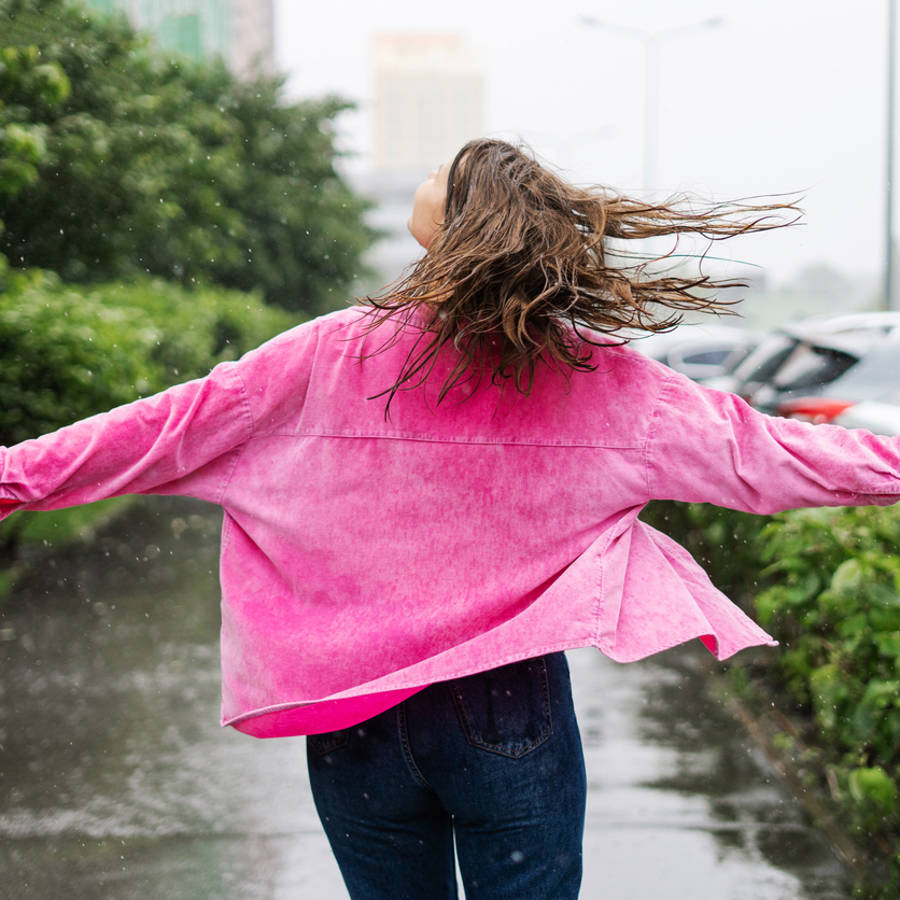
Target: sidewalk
column 116, row 781
column 679, row 806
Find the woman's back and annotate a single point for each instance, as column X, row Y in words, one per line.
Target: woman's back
column 412, row 535
column 491, row 526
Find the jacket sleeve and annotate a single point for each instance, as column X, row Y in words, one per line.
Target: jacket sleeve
column 183, row 440
column 707, row 446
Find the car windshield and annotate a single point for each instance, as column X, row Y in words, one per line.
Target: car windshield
column 736, row 357
column 706, row 357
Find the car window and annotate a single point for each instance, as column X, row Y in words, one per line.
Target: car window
column 736, row 357
column 713, row 357
column 765, row 359
column 809, row 366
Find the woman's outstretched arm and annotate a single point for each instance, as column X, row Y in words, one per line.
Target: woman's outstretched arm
column 706, row 446
column 175, row 438
column 180, row 441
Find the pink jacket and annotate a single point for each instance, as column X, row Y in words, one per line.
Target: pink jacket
column 363, row 559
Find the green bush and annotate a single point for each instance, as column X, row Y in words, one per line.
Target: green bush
column 836, row 605
column 71, row 351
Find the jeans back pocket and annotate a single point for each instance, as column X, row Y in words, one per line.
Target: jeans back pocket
column 505, row 710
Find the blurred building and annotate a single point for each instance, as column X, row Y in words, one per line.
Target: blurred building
column 242, row 32
column 429, row 100
column 429, row 93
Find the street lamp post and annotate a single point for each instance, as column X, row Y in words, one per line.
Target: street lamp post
column 651, row 41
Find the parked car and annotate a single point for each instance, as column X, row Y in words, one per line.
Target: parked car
column 804, row 359
column 699, row 351
column 871, row 382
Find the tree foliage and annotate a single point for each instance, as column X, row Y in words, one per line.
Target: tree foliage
column 120, row 160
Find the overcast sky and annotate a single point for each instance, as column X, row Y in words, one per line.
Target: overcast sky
column 784, row 95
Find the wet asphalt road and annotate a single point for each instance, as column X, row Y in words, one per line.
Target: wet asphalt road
column 117, row 782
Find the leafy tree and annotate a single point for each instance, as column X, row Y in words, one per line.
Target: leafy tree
column 24, row 79
column 119, row 160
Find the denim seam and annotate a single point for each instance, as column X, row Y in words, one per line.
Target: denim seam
column 403, row 735
column 647, row 449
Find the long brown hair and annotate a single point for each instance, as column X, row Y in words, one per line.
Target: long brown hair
column 521, row 271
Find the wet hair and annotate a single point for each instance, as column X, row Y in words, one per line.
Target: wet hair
column 527, row 269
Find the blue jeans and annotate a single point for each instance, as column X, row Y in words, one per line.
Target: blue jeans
column 492, row 761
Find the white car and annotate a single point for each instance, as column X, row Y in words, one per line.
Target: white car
column 849, row 358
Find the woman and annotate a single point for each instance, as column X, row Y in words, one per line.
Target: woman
column 431, row 496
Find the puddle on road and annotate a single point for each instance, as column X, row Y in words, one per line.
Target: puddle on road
column 117, row 782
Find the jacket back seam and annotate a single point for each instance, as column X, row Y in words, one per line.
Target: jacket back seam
column 435, row 439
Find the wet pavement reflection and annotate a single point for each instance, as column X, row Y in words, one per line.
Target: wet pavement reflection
column 117, row 782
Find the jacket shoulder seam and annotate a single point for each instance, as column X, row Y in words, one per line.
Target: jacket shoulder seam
column 237, row 452
column 655, row 417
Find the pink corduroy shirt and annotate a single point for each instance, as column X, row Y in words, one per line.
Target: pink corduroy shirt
column 363, row 559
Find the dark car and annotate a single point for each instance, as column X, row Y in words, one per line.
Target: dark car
column 872, row 379
column 802, row 360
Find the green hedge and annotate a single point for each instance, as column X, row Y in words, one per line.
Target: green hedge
column 71, row 351
column 826, row 583
column 67, row 352
column 836, row 605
